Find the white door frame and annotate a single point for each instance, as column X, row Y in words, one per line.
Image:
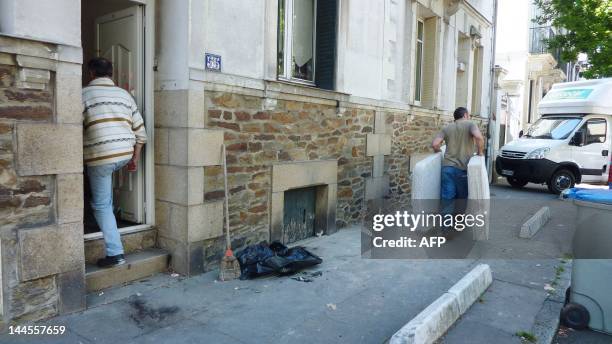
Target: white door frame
column 148, row 23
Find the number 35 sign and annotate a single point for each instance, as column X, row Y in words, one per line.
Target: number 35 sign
column 213, row 62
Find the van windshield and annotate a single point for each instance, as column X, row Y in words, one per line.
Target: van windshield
column 553, row 128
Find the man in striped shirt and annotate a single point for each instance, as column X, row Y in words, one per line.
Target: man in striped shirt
column 114, row 134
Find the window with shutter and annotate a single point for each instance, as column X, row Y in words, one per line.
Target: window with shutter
column 429, row 61
column 296, row 40
column 307, row 41
column 327, row 17
column 419, row 61
column 476, row 82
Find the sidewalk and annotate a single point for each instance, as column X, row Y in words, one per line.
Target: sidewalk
column 515, row 303
column 354, row 301
column 526, row 295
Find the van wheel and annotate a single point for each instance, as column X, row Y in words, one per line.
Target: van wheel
column 575, row 316
column 516, row 183
column 562, row 179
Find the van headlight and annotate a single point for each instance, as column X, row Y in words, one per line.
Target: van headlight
column 539, row 153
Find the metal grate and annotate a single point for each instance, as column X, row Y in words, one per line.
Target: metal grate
column 512, row 154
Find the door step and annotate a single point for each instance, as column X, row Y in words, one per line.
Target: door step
column 132, row 242
column 138, row 265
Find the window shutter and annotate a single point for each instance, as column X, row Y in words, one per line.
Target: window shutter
column 325, row 61
column 429, row 61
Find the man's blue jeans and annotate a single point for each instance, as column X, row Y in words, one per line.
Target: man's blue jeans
column 101, row 182
column 454, row 186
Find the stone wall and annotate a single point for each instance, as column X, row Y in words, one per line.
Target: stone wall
column 41, row 196
column 412, row 137
column 293, row 131
column 188, row 211
column 259, row 136
column 412, row 133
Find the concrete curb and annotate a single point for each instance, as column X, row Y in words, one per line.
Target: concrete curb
column 438, row 317
column 533, row 225
column 547, row 320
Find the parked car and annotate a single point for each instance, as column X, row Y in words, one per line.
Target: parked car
column 569, row 144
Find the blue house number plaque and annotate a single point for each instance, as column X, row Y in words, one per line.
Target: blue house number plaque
column 213, row 62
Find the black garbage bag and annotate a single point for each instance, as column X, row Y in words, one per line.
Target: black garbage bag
column 252, row 259
column 262, row 259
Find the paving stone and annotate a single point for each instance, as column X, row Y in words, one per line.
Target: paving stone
column 506, row 307
column 187, row 332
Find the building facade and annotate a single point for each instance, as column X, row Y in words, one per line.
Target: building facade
column 527, row 68
column 321, row 104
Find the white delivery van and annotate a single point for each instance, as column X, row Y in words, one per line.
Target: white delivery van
column 569, row 144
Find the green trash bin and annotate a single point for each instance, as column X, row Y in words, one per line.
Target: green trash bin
column 589, row 299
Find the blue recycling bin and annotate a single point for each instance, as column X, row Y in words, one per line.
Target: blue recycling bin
column 589, row 299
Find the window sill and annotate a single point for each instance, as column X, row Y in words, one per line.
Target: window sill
column 303, row 89
column 297, row 82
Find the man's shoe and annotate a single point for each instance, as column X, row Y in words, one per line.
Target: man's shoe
column 110, row 261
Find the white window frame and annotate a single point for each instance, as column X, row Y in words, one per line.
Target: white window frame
column 288, row 48
column 418, row 77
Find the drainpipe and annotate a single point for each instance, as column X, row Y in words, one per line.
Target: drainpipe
column 488, row 157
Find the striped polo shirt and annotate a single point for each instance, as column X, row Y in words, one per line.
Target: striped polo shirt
column 112, row 123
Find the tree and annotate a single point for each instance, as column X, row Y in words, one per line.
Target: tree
column 588, row 29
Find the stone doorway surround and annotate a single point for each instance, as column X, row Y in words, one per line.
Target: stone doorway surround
column 322, row 174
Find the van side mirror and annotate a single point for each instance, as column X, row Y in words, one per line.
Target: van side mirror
column 578, row 138
column 520, row 134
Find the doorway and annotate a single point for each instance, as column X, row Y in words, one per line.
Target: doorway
column 117, row 30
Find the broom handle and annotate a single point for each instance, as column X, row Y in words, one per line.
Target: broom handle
column 227, row 230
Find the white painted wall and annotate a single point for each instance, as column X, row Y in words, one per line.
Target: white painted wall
column 7, row 16
column 375, row 61
column 172, row 44
column 512, row 46
column 375, row 46
column 484, row 7
column 364, row 50
column 449, row 67
column 55, row 21
column 511, row 53
column 233, row 30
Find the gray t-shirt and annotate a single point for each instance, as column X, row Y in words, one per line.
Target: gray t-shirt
column 459, row 143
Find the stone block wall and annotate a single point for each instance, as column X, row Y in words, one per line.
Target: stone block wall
column 292, row 131
column 371, row 145
column 41, row 181
column 412, row 133
column 188, row 198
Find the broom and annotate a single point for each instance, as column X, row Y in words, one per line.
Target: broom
column 229, row 268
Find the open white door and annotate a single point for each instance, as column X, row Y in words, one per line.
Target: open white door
column 119, row 38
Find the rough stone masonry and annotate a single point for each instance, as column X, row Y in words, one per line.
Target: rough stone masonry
column 309, row 130
column 41, row 191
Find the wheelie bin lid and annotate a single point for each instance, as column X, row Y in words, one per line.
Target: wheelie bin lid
column 589, row 195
